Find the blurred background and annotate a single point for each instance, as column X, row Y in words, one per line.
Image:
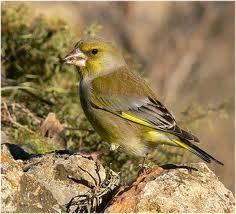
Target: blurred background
column 185, row 50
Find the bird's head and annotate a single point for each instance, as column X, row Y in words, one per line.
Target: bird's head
column 93, row 56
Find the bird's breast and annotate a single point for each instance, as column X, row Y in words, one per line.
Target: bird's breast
column 84, row 89
column 111, row 128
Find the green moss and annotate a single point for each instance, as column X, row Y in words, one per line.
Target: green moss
column 37, row 144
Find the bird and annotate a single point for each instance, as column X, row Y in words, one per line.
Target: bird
column 121, row 106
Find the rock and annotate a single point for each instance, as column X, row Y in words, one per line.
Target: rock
column 68, row 181
column 175, row 190
column 11, row 171
column 60, row 181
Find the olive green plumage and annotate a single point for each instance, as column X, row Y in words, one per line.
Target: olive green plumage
column 121, row 106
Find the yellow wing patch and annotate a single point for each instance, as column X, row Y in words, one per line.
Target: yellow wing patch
column 137, row 120
column 183, row 145
column 158, row 137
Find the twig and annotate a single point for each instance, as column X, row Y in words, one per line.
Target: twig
column 37, row 96
column 13, row 121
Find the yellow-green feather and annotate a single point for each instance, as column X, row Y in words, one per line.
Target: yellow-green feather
column 183, row 145
column 136, row 120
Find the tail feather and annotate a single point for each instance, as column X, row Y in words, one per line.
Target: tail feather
column 189, row 136
column 196, row 150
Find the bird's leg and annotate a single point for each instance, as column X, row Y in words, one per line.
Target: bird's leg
column 143, row 162
column 142, row 168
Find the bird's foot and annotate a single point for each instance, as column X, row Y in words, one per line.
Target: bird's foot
column 143, row 169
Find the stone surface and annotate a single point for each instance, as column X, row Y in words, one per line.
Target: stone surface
column 175, row 190
column 61, row 181
column 67, row 181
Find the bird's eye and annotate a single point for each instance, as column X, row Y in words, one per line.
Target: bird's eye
column 94, row 51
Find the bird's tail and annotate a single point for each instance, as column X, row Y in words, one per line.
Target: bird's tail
column 195, row 150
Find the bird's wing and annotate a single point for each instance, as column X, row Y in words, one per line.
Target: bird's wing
column 128, row 96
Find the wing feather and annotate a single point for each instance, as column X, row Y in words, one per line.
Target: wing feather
column 134, row 104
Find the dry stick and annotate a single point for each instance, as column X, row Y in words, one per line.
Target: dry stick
column 22, row 108
column 9, row 84
column 37, row 97
column 15, row 122
column 28, row 112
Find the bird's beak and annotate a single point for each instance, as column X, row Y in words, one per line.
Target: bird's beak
column 76, row 57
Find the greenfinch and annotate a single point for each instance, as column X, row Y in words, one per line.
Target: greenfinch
column 121, row 106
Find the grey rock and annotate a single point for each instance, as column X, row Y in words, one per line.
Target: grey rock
column 176, row 190
column 11, row 172
column 67, row 181
column 60, row 181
